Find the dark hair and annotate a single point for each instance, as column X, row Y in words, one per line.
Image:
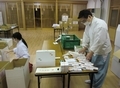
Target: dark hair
column 18, row 36
column 84, row 13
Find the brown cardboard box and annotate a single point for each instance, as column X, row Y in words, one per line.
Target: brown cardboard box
column 17, row 74
column 3, row 83
column 65, row 25
column 75, row 24
column 115, row 67
column 61, row 24
column 70, row 23
column 70, row 20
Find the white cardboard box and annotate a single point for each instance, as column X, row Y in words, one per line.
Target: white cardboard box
column 4, row 55
column 3, row 83
column 17, row 74
column 8, row 41
column 117, row 40
column 116, row 48
column 45, row 58
column 115, row 68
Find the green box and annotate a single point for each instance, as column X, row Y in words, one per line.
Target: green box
column 69, row 41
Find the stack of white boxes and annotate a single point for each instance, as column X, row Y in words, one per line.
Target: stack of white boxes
column 115, row 68
column 64, row 66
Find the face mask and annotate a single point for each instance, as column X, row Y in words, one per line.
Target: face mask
column 86, row 23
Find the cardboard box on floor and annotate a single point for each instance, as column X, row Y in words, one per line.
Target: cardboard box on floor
column 117, row 54
column 116, row 63
column 17, row 73
column 115, row 67
column 3, row 83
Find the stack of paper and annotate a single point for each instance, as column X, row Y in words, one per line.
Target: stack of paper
column 64, row 66
column 75, row 69
column 78, row 62
column 70, row 60
column 56, row 25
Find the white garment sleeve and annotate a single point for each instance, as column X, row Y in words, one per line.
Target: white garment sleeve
column 100, row 36
column 86, row 40
column 22, row 52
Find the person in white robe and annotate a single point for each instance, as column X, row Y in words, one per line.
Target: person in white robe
column 97, row 43
column 21, row 49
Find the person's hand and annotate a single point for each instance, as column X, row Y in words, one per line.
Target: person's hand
column 7, row 51
column 83, row 50
column 89, row 55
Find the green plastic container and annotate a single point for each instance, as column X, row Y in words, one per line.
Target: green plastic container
column 69, row 41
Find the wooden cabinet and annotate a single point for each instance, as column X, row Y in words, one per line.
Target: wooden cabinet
column 40, row 13
column 29, row 15
column 47, row 15
column 63, row 9
column 114, row 17
column 115, row 2
column 114, row 20
column 14, row 13
column 11, row 12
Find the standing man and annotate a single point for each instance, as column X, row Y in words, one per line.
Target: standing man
column 96, row 40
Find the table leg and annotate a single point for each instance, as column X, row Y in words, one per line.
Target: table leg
column 9, row 33
column 18, row 28
column 54, row 34
column 63, row 81
column 68, row 80
column 5, row 35
column 60, row 31
column 38, row 82
column 91, row 78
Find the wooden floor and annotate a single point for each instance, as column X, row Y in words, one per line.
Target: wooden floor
column 35, row 39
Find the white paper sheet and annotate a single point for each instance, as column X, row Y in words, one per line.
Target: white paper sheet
column 48, row 70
